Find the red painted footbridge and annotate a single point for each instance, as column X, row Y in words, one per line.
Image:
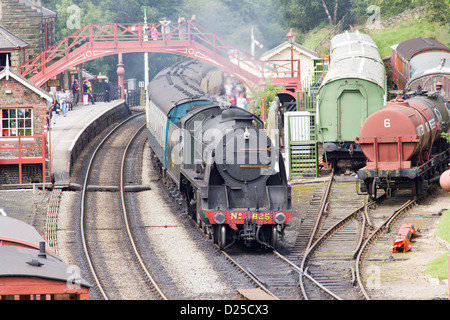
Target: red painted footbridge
column 190, row 39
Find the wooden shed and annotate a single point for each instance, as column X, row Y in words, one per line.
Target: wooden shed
column 308, row 58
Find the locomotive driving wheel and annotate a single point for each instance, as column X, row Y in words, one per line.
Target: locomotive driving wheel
column 221, row 235
column 274, row 237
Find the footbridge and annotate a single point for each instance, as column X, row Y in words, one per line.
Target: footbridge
column 190, row 39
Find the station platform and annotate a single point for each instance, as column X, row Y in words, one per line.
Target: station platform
column 70, row 134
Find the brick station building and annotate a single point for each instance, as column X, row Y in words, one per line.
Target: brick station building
column 24, row 135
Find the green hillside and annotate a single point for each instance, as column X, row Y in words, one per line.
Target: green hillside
column 418, row 25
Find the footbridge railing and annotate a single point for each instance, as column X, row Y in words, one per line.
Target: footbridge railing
column 189, row 39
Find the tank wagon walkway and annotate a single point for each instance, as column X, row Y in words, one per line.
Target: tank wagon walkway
column 70, row 134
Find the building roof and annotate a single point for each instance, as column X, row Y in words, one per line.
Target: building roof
column 10, row 41
column 409, row 48
column 287, row 46
column 8, row 73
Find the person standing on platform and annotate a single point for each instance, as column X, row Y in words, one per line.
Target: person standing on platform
column 53, row 109
column 85, row 93
column 107, row 87
column 89, row 91
column 241, row 102
column 75, row 91
column 64, row 101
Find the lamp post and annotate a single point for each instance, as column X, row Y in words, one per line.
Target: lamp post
column 291, row 39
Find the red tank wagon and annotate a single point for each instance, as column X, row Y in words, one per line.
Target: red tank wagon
column 402, row 144
column 30, row 271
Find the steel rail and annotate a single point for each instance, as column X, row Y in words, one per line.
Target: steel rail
column 82, row 211
column 381, row 229
column 323, row 206
column 251, row 276
column 125, row 217
column 299, row 270
column 314, row 245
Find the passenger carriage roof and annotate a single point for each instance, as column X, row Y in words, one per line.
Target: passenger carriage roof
column 409, row 48
column 430, row 63
column 355, row 55
column 180, row 83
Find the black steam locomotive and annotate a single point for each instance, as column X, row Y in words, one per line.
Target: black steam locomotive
column 216, row 159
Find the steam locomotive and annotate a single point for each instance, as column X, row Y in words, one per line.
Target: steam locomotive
column 216, row 159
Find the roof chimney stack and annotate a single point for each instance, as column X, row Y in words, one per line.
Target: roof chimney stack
column 42, row 253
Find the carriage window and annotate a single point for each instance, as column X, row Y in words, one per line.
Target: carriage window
column 17, row 122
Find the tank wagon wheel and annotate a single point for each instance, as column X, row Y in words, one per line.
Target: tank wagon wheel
column 372, row 188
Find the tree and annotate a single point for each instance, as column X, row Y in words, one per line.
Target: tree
column 331, row 20
column 439, row 11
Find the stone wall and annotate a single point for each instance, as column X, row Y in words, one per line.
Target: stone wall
column 406, row 15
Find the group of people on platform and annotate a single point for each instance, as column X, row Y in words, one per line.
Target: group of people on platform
column 62, row 101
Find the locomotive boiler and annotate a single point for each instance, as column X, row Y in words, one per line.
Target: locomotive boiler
column 403, row 145
column 217, row 159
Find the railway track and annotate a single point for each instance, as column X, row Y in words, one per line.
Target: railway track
column 383, row 218
column 346, row 228
column 106, row 236
column 270, row 273
column 329, row 255
column 303, row 236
